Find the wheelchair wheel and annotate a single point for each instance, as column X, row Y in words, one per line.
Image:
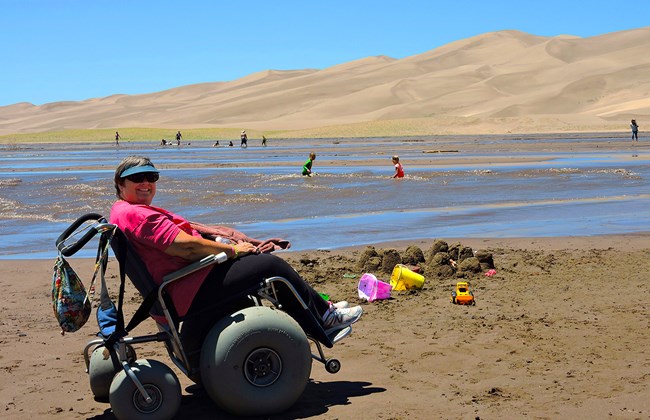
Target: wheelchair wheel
column 101, row 371
column 256, row 361
column 158, row 380
column 333, row 365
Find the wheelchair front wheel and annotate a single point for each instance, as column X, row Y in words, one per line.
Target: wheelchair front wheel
column 101, row 370
column 256, row 361
column 333, row 365
column 160, row 382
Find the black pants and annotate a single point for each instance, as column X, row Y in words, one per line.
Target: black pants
column 236, row 276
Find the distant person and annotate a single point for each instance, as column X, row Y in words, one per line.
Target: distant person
column 163, row 142
column 244, row 139
column 635, row 130
column 263, row 141
column 216, row 144
column 117, row 138
column 179, row 137
column 230, row 144
column 399, row 169
column 306, row 168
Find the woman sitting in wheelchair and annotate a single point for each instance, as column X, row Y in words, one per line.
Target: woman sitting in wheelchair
column 166, row 242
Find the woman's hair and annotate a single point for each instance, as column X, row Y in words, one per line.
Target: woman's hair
column 312, row 155
column 128, row 162
column 395, row 158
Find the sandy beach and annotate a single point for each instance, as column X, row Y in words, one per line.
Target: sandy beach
column 561, row 331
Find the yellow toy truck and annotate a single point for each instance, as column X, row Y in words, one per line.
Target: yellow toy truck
column 462, row 295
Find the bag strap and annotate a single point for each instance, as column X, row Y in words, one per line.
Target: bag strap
column 122, row 262
column 143, row 311
column 119, row 331
column 101, row 262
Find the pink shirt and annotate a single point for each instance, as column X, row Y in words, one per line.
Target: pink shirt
column 151, row 230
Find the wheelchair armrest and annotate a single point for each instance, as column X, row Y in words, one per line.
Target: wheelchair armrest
column 180, row 274
column 204, row 262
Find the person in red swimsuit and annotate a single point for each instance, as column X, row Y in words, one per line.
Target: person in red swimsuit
column 399, row 169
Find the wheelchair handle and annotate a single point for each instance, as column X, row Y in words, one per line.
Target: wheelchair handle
column 76, row 246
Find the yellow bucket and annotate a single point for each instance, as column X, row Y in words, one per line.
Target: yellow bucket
column 405, row 279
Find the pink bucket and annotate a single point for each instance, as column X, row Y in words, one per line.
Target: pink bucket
column 372, row 289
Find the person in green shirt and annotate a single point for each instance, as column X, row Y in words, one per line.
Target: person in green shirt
column 306, row 168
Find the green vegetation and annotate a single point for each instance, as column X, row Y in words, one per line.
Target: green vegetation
column 127, row 134
column 369, row 129
column 385, row 128
column 442, row 125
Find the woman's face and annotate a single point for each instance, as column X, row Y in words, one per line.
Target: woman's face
column 138, row 192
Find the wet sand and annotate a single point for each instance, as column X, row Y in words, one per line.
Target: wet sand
column 561, row 331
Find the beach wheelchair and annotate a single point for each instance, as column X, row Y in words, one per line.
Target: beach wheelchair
column 253, row 359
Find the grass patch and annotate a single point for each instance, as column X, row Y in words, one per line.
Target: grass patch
column 409, row 127
column 129, row 134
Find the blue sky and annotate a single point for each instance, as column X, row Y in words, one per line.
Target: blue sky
column 56, row 50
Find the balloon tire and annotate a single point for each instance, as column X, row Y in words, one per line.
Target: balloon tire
column 158, row 380
column 257, row 361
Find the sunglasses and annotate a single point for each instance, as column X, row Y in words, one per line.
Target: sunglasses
column 138, row 178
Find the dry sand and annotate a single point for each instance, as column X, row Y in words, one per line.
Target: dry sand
column 561, row 331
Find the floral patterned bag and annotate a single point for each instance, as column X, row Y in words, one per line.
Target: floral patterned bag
column 71, row 303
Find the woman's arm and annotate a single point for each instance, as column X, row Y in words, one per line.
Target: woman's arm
column 194, row 248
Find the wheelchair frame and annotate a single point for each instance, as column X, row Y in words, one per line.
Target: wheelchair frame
column 170, row 333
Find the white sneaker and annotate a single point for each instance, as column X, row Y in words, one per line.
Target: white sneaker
column 337, row 318
column 341, row 305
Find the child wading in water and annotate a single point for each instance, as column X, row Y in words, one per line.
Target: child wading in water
column 399, row 169
column 306, row 168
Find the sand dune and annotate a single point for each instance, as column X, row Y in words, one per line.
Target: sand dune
column 503, row 80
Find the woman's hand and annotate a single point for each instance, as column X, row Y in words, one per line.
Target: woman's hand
column 244, row 248
column 193, row 248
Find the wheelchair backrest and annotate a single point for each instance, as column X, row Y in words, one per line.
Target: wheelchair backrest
column 134, row 268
